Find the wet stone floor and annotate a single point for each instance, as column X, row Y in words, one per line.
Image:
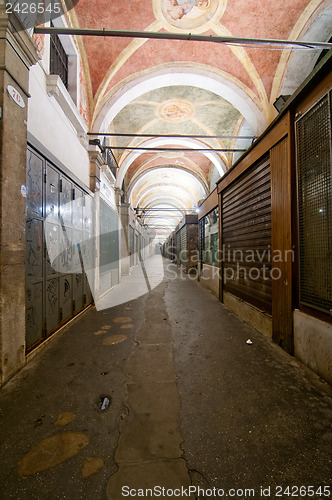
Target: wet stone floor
column 163, row 391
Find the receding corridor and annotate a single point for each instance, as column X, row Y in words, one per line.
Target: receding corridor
column 165, row 249
column 164, row 390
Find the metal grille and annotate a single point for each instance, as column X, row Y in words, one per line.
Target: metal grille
column 181, row 245
column 183, row 238
column 313, row 134
column 178, row 247
column 201, row 241
column 109, row 159
column 59, row 60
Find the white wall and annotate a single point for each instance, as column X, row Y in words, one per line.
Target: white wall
column 48, row 123
column 313, row 344
column 209, row 278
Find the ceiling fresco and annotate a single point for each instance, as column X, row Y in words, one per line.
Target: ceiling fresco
column 154, row 88
column 177, row 110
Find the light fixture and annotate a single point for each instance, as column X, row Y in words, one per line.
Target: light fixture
column 280, row 101
column 94, row 142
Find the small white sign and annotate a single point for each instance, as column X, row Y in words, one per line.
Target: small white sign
column 16, row 96
column 106, row 189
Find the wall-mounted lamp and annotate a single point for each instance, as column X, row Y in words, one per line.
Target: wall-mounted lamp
column 94, row 142
column 280, row 101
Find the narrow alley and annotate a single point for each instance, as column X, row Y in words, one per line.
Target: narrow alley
column 164, row 391
column 165, row 249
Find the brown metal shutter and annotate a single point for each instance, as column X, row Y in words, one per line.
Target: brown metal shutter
column 246, row 237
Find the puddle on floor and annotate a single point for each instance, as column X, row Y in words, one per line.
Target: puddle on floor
column 122, row 320
column 65, row 418
column 104, row 329
column 115, row 339
column 92, row 466
column 52, row 451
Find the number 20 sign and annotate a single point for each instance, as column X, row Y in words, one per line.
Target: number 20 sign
column 16, row 96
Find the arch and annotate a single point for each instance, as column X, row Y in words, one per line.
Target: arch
column 177, row 202
column 152, row 196
column 169, row 219
column 299, row 64
column 172, row 219
column 178, row 181
column 220, row 83
column 145, row 170
column 159, row 142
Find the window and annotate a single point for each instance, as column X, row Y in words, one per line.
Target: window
column 109, row 158
column 63, row 79
column 209, row 238
column 59, row 60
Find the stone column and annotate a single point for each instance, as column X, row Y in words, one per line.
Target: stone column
column 124, row 239
column 96, row 162
column 17, row 54
column 118, row 196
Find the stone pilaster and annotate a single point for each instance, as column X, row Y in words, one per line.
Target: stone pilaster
column 118, row 196
column 96, row 163
column 124, row 210
column 17, row 54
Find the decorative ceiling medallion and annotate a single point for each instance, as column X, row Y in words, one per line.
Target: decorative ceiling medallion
column 176, row 110
column 188, row 15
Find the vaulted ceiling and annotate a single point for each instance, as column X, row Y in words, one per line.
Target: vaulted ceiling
column 153, row 88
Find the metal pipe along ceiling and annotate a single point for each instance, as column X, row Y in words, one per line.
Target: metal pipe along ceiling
column 174, row 136
column 185, row 37
column 188, row 150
